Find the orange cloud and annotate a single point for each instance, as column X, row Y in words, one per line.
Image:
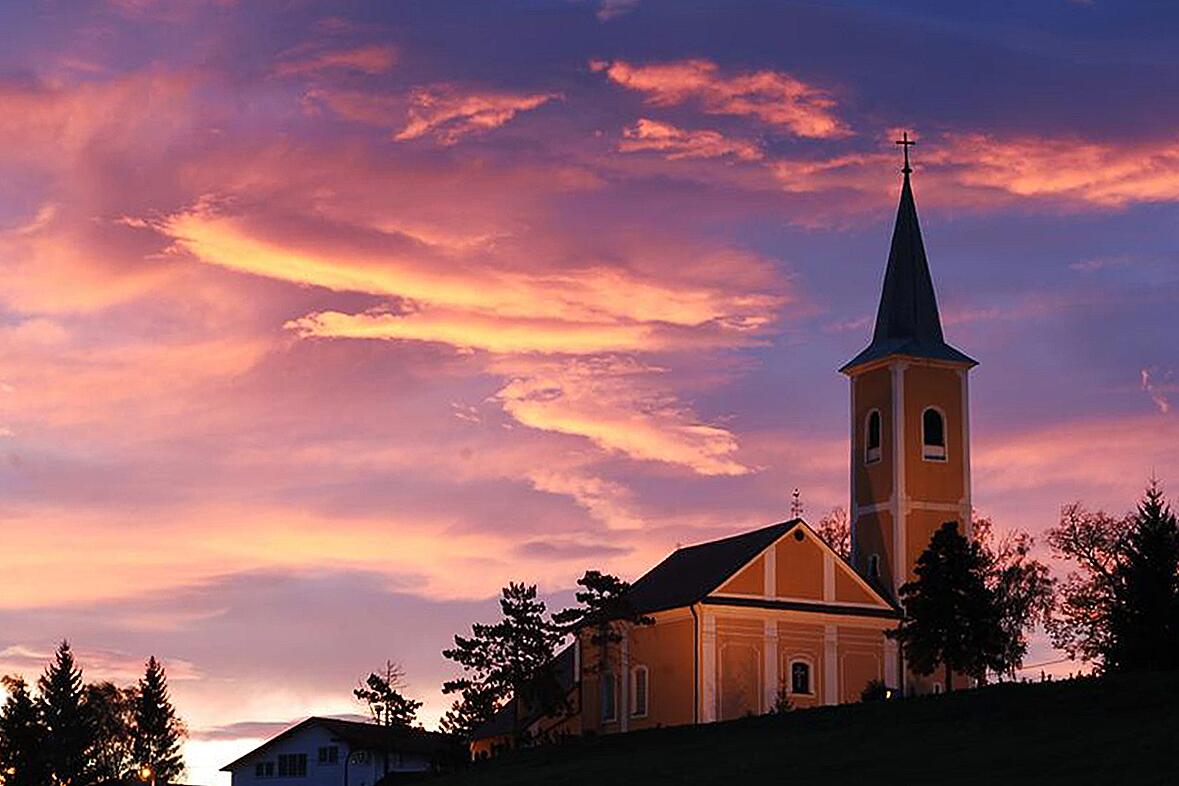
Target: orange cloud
column 675, row 143
column 448, row 114
column 605, row 403
column 416, row 271
column 374, row 59
column 483, row 332
column 774, row 98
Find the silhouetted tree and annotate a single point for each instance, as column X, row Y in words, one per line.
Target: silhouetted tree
column 69, row 733
column 1120, row 608
column 952, row 618
column 159, row 733
column 382, row 692
column 835, row 530
column 1024, row 588
column 506, row 658
column 605, row 610
column 22, row 737
column 474, row 707
column 111, row 710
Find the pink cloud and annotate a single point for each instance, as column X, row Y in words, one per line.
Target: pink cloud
column 372, row 59
column 675, row 143
column 448, row 113
column 772, row 97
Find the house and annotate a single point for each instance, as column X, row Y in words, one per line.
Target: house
column 774, row 612
column 334, row 752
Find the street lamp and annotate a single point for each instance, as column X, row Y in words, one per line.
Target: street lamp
column 147, row 775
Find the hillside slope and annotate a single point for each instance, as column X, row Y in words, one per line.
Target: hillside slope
column 1116, row 730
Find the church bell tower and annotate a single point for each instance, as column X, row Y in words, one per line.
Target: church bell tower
column 910, row 427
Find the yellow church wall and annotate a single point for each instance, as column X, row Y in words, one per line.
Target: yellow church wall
column 860, row 653
column 927, row 480
column 848, row 590
column 873, row 482
column 750, row 581
column 798, row 565
column 739, row 663
column 666, row 650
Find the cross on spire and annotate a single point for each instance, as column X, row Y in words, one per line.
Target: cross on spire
column 906, row 143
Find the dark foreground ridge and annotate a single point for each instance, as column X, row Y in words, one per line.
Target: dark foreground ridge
column 1113, row 730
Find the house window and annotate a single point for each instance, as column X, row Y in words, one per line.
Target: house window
column 933, row 435
column 609, row 687
column 872, row 438
column 639, row 681
column 292, row 765
column 264, row 769
column 800, row 677
column 329, row 754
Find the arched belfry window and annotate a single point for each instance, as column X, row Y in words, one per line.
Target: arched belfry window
column 933, row 434
column 872, row 437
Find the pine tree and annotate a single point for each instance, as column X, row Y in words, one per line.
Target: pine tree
column 158, row 731
column 952, row 618
column 22, row 737
column 1144, row 622
column 69, row 735
column 382, row 692
column 605, row 610
column 507, row 659
column 472, row 709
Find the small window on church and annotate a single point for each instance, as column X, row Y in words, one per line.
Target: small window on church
column 872, row 438
column 638, row 691
column 933, row 435
column 800, row 677
column 609, row 687
column 874, row 566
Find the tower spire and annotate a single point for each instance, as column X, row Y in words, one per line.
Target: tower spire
column 907, row 320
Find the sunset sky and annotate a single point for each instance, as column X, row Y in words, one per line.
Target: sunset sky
column 320, row 322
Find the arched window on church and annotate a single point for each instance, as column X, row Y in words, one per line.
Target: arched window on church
column 933, row 434
column 639, row 691
column 872, row 438
column 609, row 698
column 800, row 677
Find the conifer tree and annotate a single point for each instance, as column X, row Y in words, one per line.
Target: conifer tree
column 69, row 734
column 22, row 737
column 605, row 609
column 952, row 618
column 505, row 659
column 158, row 731
column 474, row 707
column 1120, row 607
column 1144, row 623
column 382, row 692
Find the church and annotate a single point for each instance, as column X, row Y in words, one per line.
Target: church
column 775, row 613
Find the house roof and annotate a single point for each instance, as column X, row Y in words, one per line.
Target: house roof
column 688, row 574
column 362, row 736
column 907, row 321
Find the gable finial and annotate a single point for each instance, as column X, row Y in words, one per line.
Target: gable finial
column 796, row 505
column 906, row 143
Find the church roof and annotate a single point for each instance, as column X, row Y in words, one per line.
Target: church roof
column 907, row 321
column 690, row 573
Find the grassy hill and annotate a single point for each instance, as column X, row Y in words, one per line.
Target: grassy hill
column 1116, row 730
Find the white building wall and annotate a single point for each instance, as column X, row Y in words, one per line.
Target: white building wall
column 364, row 769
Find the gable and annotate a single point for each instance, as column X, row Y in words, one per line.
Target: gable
column 801, row 569
column 750, row 580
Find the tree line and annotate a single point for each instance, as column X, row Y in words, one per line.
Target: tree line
column 73, row 733
column 969, row 610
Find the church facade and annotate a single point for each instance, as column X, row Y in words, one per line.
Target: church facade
column 744, row 622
